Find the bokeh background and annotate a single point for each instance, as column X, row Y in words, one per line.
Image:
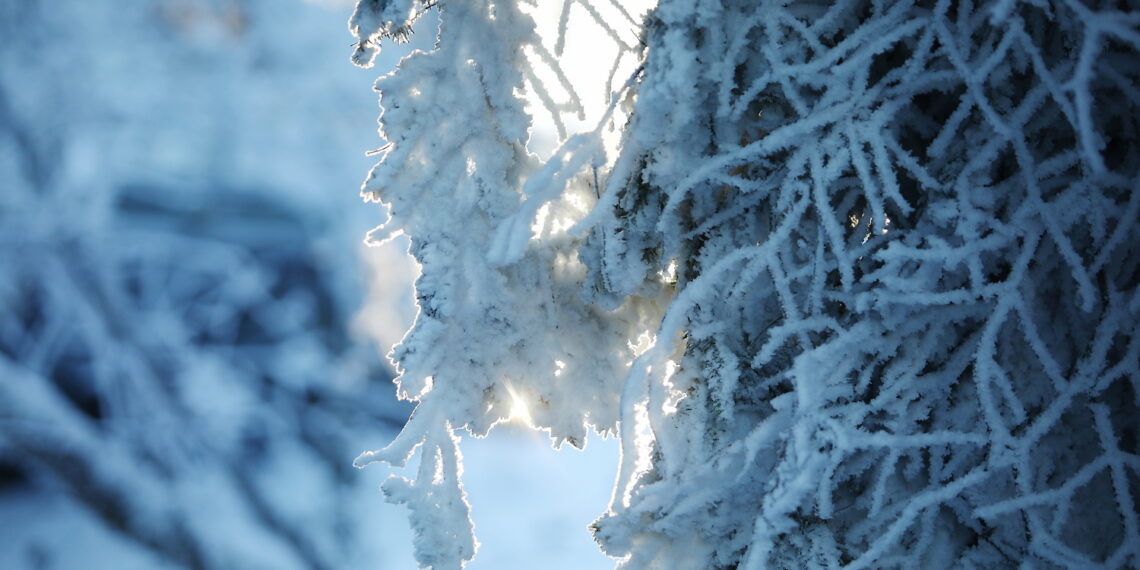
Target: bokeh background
column 191, row 330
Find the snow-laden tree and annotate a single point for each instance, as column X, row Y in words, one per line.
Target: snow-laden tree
column 854, row 282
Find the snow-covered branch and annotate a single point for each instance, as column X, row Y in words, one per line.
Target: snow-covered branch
column 882, row 255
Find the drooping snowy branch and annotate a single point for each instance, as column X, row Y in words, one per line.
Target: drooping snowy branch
column 488, row 335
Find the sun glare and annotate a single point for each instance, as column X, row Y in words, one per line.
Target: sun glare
column 520, row 412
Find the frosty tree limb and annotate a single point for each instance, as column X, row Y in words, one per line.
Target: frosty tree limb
column 882, row 252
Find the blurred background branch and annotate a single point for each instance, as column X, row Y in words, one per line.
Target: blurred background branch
column 178, row 278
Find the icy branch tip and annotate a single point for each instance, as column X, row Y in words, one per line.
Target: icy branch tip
column 365, row 459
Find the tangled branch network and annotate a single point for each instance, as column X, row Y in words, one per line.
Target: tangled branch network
column 855, row 283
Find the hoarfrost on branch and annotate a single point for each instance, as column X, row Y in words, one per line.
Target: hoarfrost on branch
column 854, row 282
